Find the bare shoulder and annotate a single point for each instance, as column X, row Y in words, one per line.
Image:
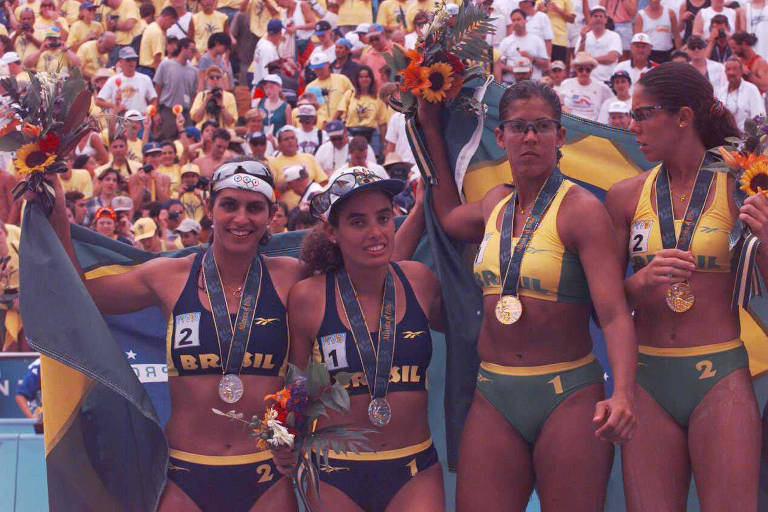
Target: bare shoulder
column 493, row 196
column 416, row 271
column 624, row 195
column 286, row 268
column 306, row 302
column 162, row 267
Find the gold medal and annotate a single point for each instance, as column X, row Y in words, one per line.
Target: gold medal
column 509, row 309
column 680, row 297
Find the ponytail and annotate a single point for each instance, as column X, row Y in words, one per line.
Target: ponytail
column 319, row 253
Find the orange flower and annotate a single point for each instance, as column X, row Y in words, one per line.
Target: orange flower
column 11, row 126
column 31, row 129
column 737, row 161
column 415, row 78
column 414, row 56
column 280, row 397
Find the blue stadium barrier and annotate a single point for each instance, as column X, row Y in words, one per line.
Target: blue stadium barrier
column 23, row 484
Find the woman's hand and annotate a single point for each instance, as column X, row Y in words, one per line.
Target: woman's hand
column 754, row 213
column 615, row 419
column 669, row 266
column 285, row 459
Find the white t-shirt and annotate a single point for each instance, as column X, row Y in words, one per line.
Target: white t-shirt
column 539, row 25
column 310, row 141
column 716, row 75
column 137, row 91
column 757, row 23
column 180, row 29
column 608, row 42
column 634, row 73
column 396, row 135
column 265, row 53
column 500, row 15
column 510, row 49
column 331, row 158
column 604, row 115
column 584, row 100
column 744, row 103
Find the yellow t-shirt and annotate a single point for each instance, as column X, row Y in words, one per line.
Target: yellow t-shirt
column 90, row 58
column 134, row 149
column 260, row 17
column 415, row 7
column 173, row 172
column 42, row 25
column 365, row 111
column 392, row 13
column 135, row 166
column 229, row 103
column 278, row 163
column 79, row 182
column 558, row 22
column 127, row 10
column 193, row 205
column 24, row 47
column 53, row 61
column 337, row 86
column 152, row 43
column 35, row 6
column 80, row 30
column 70, row 11
column 355, row 12
column 3, row 30
column 205, row 25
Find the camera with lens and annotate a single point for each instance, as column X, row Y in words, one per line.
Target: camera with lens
column 147, row 168
column 721, row 33
column 174, row 215
column 26, row 27
column 202, row 182
column 54, row 43
column 212, row 106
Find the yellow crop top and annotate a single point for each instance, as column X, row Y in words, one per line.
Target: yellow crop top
column 710, row 240
column 548, row 271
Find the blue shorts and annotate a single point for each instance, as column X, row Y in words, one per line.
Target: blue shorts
column 232, row 483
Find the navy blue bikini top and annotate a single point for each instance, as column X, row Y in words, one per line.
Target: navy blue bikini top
column 191, row 344
column 335, row 346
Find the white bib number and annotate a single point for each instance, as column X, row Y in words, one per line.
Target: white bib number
column 481, row 250
column 334, row 349
column 187, row 331
column 638, row 239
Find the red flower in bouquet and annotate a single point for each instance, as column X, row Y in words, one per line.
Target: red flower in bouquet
column 50, row 143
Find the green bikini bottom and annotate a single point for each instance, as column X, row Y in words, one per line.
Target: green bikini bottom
column 679, row 378
column 527, row 395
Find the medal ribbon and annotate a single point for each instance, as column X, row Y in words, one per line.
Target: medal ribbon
column 512, row 265
column 665, row 209
column 239, row 333
column 377, row 363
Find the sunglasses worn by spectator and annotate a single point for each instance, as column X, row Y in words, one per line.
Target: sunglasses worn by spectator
column 520, row 127
column 249, row 167
column 580, row 69
column 640, row 114
column 337, row 138
column 214, row 77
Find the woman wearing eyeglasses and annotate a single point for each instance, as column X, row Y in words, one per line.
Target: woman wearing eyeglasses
column 538, row 416
column 227, row 344
column 372, row 320
column 694, row 392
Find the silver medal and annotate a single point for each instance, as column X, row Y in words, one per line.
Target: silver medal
column 231, row 388
column 379, row 412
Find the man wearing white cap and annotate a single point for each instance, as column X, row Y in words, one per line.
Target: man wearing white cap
column 639, row 62
column 13, row 62
column 583, row 95
column 189, row 231
column 289, row 155
column 602, row 44
column 333, row 85
column 308, row 135
column 521, row 69
column 558, row 73
column 298, row 181
column 522, row 44
column 127, row 89
column 335, row 152
column 618, row 115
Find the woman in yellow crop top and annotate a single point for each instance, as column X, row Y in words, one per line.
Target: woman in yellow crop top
column 539, row 409
column 694, row 395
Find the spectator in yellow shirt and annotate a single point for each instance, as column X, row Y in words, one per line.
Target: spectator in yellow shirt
column 122, row 18
column 85, row 29
column 363, row 112
column 24, row 40
column 49, row 17
column 214, row 103
column 207, row 21
column 52, row 56
column 152, row 49
column 169, row 163
column 392, row 14
column 353, row 13
column 94, row 55
column 77, row 179
column 333, row 86
column 289, row 155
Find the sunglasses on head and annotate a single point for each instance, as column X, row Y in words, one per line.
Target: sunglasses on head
column 341, row 186
column 256, row 169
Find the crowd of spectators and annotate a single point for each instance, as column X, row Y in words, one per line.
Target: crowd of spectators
column 181, row 86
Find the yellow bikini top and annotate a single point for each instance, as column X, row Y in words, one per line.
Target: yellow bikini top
column 548, row 271
column 710, row 240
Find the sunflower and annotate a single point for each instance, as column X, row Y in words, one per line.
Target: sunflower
column 30, row 158
column 415, row 77
column 755, row 179
column 440, row 80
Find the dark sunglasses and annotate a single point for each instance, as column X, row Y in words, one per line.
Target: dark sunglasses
column 580, row 69
column 214, row 77
column 697, row 45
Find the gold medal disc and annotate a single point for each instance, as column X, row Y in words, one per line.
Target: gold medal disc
column 680, row 297
column 509, row 309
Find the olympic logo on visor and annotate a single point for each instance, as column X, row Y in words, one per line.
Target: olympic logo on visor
column 245, row 168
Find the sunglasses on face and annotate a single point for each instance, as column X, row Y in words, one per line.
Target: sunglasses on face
column 697, row 45
column 543, row 126
column 336, row 139
column 373, row 39
column 214, row 77
column 256, row 169
column 640, row 114
column 583, row 69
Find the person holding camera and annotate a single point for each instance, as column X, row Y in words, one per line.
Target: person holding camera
column 702, row 24
column 718, row 48
column 192, row 192
column 214, row 103
column 85, row 28
column 24, row 40
column 52, row 56
column 147, row 184
column 122, row 18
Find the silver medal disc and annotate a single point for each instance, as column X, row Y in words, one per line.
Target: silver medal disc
column 379, row 412
column 231, row 388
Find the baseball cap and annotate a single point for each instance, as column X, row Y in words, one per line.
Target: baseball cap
column 618, row 107
column 188, row 225
column 621, row 74
column 294, row 172
column 87, row 5
column 258, row 138
column 101, row 73
column 557, row 64
column 334, row 128
column 345, row 42
column 53, row 31
column 122, row 203
column 133, row 115
column 521, row 65
column 143, row 228
column 375, row 28
column 275, row 79
column 345, row 182
column 127, row 52
column 189, row 168
column 192, row 132
column 10, row 58
column 318, row 60
column 321, row 27
column 307, row 110
column 151, row 147
column 363, row 28
column 641, row 38
column 597, row 8
column 274, row 26
column 105, row 211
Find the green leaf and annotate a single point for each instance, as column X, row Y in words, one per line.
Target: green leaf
column 12, row 141
column 318, row 378
column 343, row 378
column 340, row 398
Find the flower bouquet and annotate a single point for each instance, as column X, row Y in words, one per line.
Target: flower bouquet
column 290, row 418
column 437, row 69
column 52, row 115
